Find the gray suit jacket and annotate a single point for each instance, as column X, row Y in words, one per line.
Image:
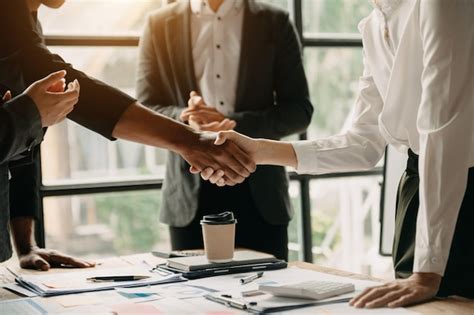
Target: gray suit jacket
column 272, row 98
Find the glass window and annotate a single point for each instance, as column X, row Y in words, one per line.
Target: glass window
column 333, row 16
column 333, row 75
column 104, row 225
column 97, row 17
column 72, row 152
column 345, row 224
column 295, row 249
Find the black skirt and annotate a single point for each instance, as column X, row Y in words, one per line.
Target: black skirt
column 459, row 275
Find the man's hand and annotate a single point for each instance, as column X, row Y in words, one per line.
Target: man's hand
column 419, row 287
column 43, row 259
column 199, row 125
column 248, row 145
column 200, row 111
column 228, row 160
column 33, row 257
column 53, row 103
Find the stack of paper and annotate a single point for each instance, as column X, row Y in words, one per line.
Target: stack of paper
column 76, row 282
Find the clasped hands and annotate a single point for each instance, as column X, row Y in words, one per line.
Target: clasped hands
column 215, row 128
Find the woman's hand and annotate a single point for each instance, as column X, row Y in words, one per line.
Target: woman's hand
column 419, row 287
column 248, row 145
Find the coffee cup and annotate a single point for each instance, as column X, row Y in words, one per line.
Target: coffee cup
column 218, row 231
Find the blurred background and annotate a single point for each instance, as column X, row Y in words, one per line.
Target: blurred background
column 102, row 198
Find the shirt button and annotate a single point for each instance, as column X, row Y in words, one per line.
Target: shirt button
column 222, row 103
column 218, row 46
column 218, row 76
column 434, row 260
column 219, row 18
column 31, row 145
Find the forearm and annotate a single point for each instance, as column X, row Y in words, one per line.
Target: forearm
column 272, row 152
column 140, row 124
column 22, row 229
column 172, row 111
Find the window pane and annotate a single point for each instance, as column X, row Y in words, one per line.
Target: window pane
column 295, row 250
column 104, row 225
column 333, row 81
column 333, row 16
column 345, row 224
column 104, row 17
column 71, row 152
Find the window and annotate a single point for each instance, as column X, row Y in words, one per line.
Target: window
column 104, row 225
column 84, row 155
column 102, row 198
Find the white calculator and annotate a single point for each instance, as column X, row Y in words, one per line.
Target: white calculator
column 316, row 290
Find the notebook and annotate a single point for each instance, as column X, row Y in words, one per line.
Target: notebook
column 243, row 257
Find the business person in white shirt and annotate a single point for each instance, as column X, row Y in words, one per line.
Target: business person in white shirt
column 417, row 94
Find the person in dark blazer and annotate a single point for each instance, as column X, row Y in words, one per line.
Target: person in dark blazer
column 21, row 119
column 241, row 61
column 24, row 59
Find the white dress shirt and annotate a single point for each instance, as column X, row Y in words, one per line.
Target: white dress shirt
column 216, row 42
column 417, row 92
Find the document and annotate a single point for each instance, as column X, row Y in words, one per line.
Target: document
column 135, row 309
column 21, row 307
column 76, row 281
column 229, row 286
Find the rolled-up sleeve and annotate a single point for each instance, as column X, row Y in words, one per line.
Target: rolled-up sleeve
column 359, row 148
column 445, row 124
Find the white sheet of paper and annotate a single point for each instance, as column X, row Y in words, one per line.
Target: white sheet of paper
column 21, row 307
column 77, row 300
column 20, row 290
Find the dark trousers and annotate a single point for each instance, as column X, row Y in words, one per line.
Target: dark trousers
column 459, row 275
column 252, row 231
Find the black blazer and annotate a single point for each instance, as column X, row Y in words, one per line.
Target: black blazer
column 272, row 98
column 20, row 126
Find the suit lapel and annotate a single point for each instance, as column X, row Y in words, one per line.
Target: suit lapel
column 178, row 38
column 249, row 39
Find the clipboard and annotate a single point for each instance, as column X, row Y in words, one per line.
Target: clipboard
column 219, row 271
column 270, row 304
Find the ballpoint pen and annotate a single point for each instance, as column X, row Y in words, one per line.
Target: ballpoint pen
column 117, row 278
column 251, row 278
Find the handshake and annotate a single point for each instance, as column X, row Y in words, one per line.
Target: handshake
column 224, row 157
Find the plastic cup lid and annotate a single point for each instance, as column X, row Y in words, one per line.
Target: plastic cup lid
column 221, row 218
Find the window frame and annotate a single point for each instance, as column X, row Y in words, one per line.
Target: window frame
column 305, row 230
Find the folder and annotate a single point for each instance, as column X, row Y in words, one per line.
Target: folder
column 50, row 284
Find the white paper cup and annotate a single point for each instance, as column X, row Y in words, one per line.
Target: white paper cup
column 219, row 237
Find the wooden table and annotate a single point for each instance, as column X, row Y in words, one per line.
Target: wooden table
column 451, row 305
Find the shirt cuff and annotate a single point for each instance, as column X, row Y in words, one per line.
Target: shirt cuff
column 305, row 156
column 430, row 260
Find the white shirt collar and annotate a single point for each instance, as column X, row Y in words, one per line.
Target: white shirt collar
column 387, row 7
column 228, row 6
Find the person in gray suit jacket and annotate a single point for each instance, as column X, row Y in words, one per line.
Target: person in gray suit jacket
column 220, row 65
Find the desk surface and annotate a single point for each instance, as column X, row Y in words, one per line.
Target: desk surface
column 446, row 306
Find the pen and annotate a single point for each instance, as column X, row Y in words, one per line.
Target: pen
column 251, row 278
column 117, row 278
